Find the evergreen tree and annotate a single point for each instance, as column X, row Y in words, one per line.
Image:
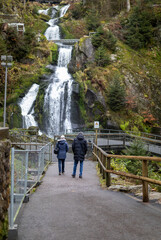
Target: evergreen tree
column 137, row 148
column 102, row 57
column 116, row 97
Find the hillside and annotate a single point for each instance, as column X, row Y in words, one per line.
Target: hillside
column 117, row 62
column 30, row 51
column 126, row 50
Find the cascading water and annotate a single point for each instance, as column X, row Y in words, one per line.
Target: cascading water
column 57, row 102
column 57, row 99
column 27, row 106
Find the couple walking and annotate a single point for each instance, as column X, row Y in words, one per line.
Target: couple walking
column 79, row 148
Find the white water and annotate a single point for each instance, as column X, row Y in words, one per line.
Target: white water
column 27, row 108
column 45, row 12
column 57, row 100
column 64, row 10
column 52, row 32
column 58, row 95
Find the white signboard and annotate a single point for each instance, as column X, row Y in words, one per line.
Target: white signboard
column 96, row 124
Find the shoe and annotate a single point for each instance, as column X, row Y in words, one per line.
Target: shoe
column 63, row 172
column 80, row 176
column 73, row 175
column 59, row 173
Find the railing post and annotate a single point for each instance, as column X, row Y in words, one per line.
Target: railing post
column 39, row 165
column 100, row 156
column 104, row 164
column 108, row 177
column 94, row 150
column 11, row 223
column 26, row 171
column 145, row 184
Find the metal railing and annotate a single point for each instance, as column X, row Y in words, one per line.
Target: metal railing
column 27, row 167
column 104, row 161
column 118, row 139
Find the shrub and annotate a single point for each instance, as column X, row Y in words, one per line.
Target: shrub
column 92, row 20
column 20, row 45
column 116, row 96
column 105, row 38
column 138, row 29
column 78, row 11
column 136, row 149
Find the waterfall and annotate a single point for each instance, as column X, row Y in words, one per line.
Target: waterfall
column 57, row 99
column 45, row 12
column 52, row 33
column 27, row 106
column 64, row 10
column 58, row 95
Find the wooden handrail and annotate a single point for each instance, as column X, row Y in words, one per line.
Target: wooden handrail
column 145, row 179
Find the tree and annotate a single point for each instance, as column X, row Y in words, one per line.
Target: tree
column 116, row 96
column 128, row 5
column 137, row 148
column 102, row 57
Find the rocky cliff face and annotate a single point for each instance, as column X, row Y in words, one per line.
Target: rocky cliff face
column 83, row 54
column 94, row 101
column 138, row 73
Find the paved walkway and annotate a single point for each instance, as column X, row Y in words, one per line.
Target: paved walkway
column 63, row 208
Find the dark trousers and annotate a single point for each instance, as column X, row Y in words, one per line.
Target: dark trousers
column 61, row 165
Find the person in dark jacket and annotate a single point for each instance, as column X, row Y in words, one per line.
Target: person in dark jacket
column 63, row 149
column 79, row 148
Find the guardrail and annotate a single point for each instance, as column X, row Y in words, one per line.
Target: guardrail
column 108, row 131
column 104, row 161
column 120, row 139
column 27, row 167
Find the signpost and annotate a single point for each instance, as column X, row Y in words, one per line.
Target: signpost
column 96, row 126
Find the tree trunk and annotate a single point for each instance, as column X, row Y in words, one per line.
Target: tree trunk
column 128, row 5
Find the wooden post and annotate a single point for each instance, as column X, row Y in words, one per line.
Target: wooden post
column 104, row 163
column 96, row 137
column 145, row 184
column 100, row 156
column 108, row 177
column 95, row 151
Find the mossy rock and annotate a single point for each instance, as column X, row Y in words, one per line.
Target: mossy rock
column 33, row 130
column 55, row 53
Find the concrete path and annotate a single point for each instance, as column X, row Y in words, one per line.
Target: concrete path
column 64, row 208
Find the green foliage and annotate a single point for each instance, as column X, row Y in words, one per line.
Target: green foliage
column 138, row 29
column 20, row 45
column 105, row 38
column 4, row 229
column 54, row 50
column 137, row 148
column 3, row 47
column 102, row 58
column 92, row 20
column 78, row 11
column 116, row 95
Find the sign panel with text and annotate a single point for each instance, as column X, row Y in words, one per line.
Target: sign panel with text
column 96, row 124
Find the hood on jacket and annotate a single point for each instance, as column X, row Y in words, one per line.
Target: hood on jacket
column 80, row 136
column 61, row 141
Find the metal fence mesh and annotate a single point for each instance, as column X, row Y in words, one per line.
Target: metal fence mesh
column 27, row 167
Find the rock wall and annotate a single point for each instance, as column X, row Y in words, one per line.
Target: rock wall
column 5, row 146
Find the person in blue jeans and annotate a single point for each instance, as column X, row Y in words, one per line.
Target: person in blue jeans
column 79, row 147
column 63, row 149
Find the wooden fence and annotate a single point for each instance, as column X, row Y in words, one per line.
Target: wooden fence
column 104, row 161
